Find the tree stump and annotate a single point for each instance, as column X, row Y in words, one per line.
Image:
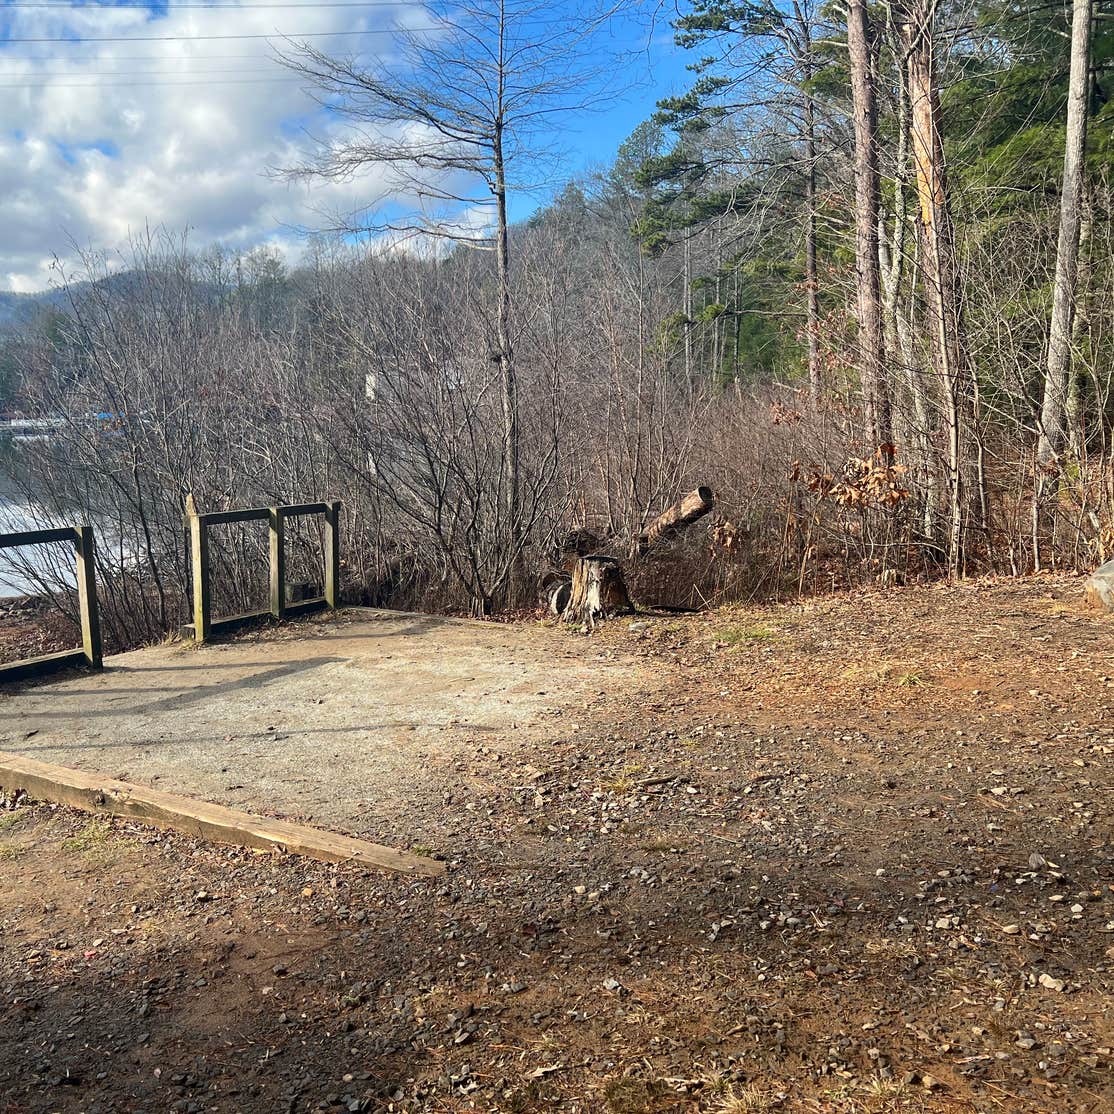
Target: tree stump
column 598, row 591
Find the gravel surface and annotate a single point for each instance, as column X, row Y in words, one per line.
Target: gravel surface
column 849, row 855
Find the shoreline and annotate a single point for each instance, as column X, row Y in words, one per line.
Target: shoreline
column 29, row 626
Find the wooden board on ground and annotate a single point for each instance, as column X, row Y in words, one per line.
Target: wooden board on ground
column 96, row 793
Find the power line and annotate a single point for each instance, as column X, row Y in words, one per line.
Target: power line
column 37, row 76
column 133, row 84
column 47, row 5
column 213, row 38
column 165, row 58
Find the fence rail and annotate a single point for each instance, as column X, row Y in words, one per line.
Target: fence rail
column 205, row 624
column 92, row 650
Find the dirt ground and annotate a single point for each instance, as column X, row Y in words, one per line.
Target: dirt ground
column 848, row 855
column 338, row 720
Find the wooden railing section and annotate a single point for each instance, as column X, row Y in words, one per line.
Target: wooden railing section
column 91, row 652
column 205, row 624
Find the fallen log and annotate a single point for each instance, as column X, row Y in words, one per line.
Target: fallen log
column 559, row 596
column 682, row 514
column 598, row 590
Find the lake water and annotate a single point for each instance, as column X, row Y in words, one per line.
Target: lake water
column 18, row 513
column 13, row 575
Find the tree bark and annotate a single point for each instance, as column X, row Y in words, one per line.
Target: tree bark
column 598, row 591
column 939, row 272
column 507, row 372
column 1050, row 434
column 812, row 286
column 872, row 359
column 913, row 423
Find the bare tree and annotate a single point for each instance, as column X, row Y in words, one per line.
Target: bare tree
column 462, row 115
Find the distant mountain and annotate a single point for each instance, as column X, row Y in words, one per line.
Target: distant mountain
column 18, row 309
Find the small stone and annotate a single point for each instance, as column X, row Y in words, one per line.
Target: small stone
column 1099, row 588
column 1049, row 983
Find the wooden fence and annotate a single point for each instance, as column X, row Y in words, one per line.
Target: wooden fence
column 91, row 652
column 205, row 624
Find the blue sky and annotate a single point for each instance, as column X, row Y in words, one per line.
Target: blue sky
column 119, row 118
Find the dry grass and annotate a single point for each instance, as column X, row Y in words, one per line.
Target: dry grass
column 739, row 636
column 751, row 1099
column 97, row 842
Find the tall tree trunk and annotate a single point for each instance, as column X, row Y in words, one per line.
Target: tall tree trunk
column 872, row 360
column 508, row 376
column 915, row 418
column 812, row 286
column 735, row 341
column 939, row 271
column 686, row 306
column 1074, row 432
column 1050, row 435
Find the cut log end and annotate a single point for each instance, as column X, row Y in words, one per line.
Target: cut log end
column 559, row 597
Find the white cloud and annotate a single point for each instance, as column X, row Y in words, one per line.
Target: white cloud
column 100, row 140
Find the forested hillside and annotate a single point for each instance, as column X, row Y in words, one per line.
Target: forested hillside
column 857, row 279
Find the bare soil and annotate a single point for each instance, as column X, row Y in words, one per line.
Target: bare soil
column 847, row 855
column 338, row 719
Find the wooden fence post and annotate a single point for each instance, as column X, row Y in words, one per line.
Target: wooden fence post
column 199, row 555
column 278, row 563
column 87, row 596
column 332, row 554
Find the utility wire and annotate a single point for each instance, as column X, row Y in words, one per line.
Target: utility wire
column 212, row 38
column 37, row 76
column 173, row 6
column 133, row 84
column 166, row 58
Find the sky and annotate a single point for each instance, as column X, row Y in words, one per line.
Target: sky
column 117, row 118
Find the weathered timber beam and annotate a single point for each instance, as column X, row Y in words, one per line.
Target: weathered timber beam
column 37, row 537
column 41, row 666
column 297, row 510
column 95, row 793
column 251, row 514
